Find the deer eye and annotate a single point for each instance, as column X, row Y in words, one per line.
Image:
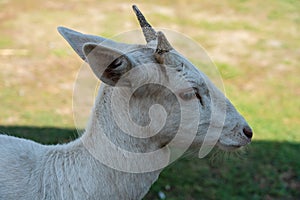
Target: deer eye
column 187, row 95
column 190, row 94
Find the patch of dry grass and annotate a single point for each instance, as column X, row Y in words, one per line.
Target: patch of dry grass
column 255, row 45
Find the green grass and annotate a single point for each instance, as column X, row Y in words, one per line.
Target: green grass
column 255, row 45
column 5, row 42
column 251, row 177
column 42, row 134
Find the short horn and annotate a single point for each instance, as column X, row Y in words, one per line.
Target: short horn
column 163, row 44
column 149, row 32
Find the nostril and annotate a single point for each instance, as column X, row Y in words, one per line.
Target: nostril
column 248, row 132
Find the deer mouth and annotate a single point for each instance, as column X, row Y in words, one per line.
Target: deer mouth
column 228, row 147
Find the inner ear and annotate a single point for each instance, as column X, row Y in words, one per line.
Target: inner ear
column 109, row 65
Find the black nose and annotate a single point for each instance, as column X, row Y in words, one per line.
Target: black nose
column 248, row 132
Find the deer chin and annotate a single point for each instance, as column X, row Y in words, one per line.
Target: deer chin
column 231, row 146
column 226, row 147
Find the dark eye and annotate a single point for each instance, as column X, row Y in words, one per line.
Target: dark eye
column 187, row 95
column 198, row 96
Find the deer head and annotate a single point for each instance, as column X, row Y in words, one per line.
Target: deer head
column 149, row 76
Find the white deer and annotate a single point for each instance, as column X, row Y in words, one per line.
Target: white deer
column 107, row 161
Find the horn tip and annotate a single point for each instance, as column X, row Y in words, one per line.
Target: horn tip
column 160, row 34
column 163, row 42
column 148, row 31
column 135, row 8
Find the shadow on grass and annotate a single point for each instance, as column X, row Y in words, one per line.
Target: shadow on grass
column 265, row 170
column 44, row 135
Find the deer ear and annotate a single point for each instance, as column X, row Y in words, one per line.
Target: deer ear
column 109, row 65
column 77, row 40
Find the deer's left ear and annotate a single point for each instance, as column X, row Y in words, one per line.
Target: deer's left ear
column 109, row 65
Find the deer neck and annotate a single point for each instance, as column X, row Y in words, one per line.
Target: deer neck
column 102, row 127
column 103, row 122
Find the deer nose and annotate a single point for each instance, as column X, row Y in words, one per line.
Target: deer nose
column 248, row 132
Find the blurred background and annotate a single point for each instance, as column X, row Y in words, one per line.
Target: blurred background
column 255, row 45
